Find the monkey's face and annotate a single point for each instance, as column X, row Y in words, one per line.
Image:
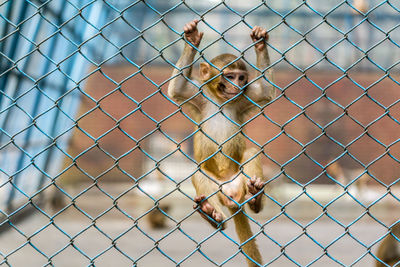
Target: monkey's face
column 232, row 83
column 225, row 84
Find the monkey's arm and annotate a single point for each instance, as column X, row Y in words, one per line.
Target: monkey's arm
column 182, row 86
column 261, row 91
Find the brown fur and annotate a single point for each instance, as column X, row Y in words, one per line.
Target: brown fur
column 345, row 176
column 225, row 60
column 389, row 250
column 156, row 219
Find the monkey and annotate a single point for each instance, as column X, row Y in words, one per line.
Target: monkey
column 345, row 176
column 57, row 200
column 219, row 100
column 156, row 219
column 389, row 250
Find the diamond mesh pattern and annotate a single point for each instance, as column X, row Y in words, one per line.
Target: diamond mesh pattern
column 86, row 125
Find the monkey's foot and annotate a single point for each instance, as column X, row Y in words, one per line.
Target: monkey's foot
column 208, row 212
column 255, row 186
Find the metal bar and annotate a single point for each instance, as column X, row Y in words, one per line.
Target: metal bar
column 13, row 48
column 37, row 102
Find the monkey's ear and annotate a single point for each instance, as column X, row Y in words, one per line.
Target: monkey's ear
column 205, row 71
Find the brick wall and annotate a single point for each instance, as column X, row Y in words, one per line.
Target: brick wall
column 113, row 116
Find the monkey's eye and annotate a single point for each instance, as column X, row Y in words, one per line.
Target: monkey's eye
column 241, row 78
column 230, row 77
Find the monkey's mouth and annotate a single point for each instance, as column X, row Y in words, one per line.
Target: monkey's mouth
column 229, row 93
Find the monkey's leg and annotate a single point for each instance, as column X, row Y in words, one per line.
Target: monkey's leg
column 255, row 185
column 245, row 235
column 233, row 191
column 207, row 200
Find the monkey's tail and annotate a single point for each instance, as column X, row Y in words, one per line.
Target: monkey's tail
column 244, row 233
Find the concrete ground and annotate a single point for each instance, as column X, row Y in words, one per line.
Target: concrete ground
column 101, row 231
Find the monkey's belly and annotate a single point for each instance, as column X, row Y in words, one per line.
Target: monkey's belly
column 222, row 166
column 223, row 160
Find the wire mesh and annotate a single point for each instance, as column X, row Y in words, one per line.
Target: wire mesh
column 86, row 125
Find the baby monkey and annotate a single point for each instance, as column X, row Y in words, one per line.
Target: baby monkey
column 220, row 101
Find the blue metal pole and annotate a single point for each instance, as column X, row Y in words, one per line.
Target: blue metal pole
column 13, row 49
column 33, row 113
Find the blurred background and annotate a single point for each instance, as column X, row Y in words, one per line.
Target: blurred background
column 92, row 148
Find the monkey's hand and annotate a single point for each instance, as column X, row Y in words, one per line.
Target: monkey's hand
column 192, row 34
column 260, row 37
column 255, row 193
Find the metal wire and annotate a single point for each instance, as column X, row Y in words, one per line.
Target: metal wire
column 49, row 50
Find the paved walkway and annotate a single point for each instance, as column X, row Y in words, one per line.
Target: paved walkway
column 72, row 239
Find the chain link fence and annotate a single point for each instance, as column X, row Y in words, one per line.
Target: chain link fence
column 92, row 149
